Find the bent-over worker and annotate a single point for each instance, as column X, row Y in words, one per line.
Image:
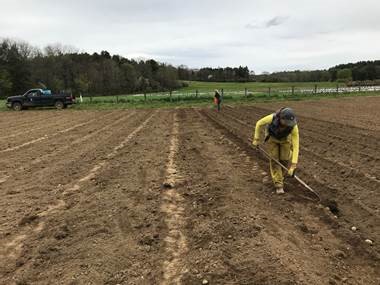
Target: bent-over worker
column 282, row 139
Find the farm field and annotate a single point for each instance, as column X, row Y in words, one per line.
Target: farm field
column 256, row 86
column 178, row 196
column 201, row 94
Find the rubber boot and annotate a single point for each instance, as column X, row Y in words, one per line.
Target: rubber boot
column 280, row 190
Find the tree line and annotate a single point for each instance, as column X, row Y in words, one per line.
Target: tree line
column 62, row 68
column 364, row 72
column 367, row 72
column 227, row 74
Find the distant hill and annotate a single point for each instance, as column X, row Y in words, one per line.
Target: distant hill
column 360, row 71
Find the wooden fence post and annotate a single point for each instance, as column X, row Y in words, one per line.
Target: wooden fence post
column 269, row 91
column 245, row 93
column 292, row 90
column 315, row 89
column 196, row 94
column 170, row 93
column 337, row 88
column 145, row 97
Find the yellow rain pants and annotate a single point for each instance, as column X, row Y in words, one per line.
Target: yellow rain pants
column 279, row 150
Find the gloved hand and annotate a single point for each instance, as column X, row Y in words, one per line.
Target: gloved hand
column 292, row 170
column 256, row 143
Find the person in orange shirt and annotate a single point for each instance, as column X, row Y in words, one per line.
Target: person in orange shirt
column 282, row 137
column 217, row 99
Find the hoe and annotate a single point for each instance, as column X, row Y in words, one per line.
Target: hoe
column 295, row 176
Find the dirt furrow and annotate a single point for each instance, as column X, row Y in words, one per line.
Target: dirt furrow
column 357, row 138
column 180, row 197
column 17, row 120
column 32, row 125
column 172, row 206
column 240, row 233
column 330, row 144
column 19, row 133
column 58, row 127
column 358, row 112
column 26, row 188
column 333, row 171
column 334, row 187
column 364, row 167
column 55, row 143
column 109, row 232
column 318, row 233
column 57, row 148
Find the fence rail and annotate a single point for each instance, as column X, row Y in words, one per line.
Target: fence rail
column 195, row 94
column 335, row 90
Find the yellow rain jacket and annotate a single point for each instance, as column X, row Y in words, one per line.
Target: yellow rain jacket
column 293, row 136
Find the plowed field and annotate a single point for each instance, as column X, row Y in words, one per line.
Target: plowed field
column 178, row 196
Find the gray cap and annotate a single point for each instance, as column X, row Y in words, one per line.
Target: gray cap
column 288, row 116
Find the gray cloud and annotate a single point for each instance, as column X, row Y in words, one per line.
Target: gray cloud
column 276, row 21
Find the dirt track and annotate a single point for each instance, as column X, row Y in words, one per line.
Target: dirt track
column 178, row 196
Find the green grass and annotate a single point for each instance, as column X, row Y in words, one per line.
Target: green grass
column 303, row 97
column 2, row 105
column 188, row 98
column 157, row 100
column 251, row 86
column 200, row 92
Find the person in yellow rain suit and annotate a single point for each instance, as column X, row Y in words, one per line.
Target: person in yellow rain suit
column 282, row 138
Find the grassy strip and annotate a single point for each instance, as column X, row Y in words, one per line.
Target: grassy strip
column 253, row 86
column 207, row 100
column 2, row 105
column 165, row 101
column 303, row 97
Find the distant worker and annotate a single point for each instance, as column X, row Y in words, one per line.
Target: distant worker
column 217, row 99
column 282, row 137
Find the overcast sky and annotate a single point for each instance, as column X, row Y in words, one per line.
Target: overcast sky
column 265, row 35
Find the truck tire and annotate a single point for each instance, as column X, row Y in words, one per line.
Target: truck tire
column 59, row 105
column 17, row 106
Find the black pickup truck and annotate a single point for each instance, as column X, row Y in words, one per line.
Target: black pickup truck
column 39, row 98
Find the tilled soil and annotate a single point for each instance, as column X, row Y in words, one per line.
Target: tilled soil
column 179, row 197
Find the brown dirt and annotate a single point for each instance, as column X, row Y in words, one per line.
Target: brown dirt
column 179, row 196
